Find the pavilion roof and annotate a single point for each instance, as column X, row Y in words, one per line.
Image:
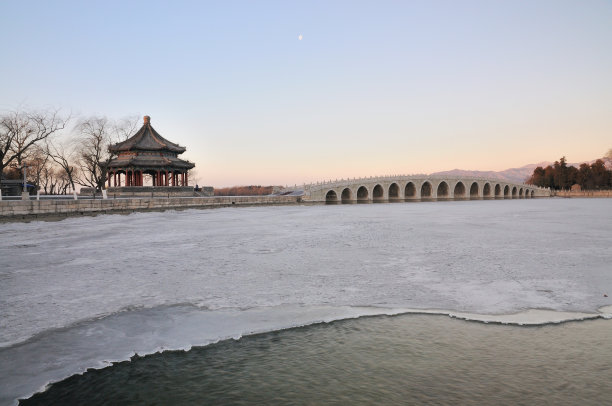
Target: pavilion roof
column 146, row 139
column 150, row 162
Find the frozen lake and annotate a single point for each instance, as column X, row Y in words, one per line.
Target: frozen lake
column 84, row 291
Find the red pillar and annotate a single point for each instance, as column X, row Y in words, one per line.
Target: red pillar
column 186, row 178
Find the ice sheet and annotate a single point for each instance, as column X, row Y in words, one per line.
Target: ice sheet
column 477, row 257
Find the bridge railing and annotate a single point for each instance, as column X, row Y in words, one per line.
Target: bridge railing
column 372, row 179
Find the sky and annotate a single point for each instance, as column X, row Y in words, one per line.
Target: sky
column 287, row 92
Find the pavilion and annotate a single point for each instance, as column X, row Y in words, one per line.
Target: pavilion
column 148, row 153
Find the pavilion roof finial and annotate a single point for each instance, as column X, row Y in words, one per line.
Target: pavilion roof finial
column 147, row 120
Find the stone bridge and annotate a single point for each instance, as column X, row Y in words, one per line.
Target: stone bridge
column 418, row 188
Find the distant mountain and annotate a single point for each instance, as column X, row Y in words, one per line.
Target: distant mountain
column 515, row 175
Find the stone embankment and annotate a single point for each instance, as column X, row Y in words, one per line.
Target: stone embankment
column 583, row 193
column 19, row 210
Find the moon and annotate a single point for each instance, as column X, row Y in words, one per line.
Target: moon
column 300, row 37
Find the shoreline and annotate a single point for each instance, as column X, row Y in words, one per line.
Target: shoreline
column 55, row 210
column 583, row 193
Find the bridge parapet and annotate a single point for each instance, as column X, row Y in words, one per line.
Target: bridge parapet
column 418, row 187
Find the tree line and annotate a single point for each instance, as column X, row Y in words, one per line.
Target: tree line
column 244, row 191
column 59, row 151
column 560, row 175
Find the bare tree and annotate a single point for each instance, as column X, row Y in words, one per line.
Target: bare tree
column 20, row 131
column 63, row 154
column 96, row 134
column 125, row 127
column 38, row 160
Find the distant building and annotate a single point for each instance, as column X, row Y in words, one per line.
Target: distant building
column 147, row 152
column 14, row 187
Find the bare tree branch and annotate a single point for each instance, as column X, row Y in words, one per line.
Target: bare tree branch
column 19, row 131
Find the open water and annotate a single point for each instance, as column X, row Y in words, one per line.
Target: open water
column 399, row 360
column 88, row 292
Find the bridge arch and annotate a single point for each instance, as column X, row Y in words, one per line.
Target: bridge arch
column 410, row 191
column 331, row 197
column 442, row 191
column 486, row 190
column 532, row 193
column 506, row 192
column 514, row 192
column 426, row 190
column 347, row 195
column 474, row 190
column 498, row 191
column 394, row 191
column 459, row 191
column 520, row 193
column 363, row 194
column 378, row 193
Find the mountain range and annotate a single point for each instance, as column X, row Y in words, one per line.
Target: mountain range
column 516, row 175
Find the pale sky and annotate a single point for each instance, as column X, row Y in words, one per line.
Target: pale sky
column 371, row 88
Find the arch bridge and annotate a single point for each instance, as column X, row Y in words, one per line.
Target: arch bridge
column 418, row 188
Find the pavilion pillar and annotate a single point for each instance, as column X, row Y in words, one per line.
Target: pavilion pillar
column 167, row 183
column 158, row 178
column 182, row 179
column 186, row 178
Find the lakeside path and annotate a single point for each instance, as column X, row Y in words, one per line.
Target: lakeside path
column 24, row 210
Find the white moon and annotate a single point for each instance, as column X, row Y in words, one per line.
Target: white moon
column 300, row 37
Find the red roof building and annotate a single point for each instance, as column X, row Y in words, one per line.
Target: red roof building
column 147, row 152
